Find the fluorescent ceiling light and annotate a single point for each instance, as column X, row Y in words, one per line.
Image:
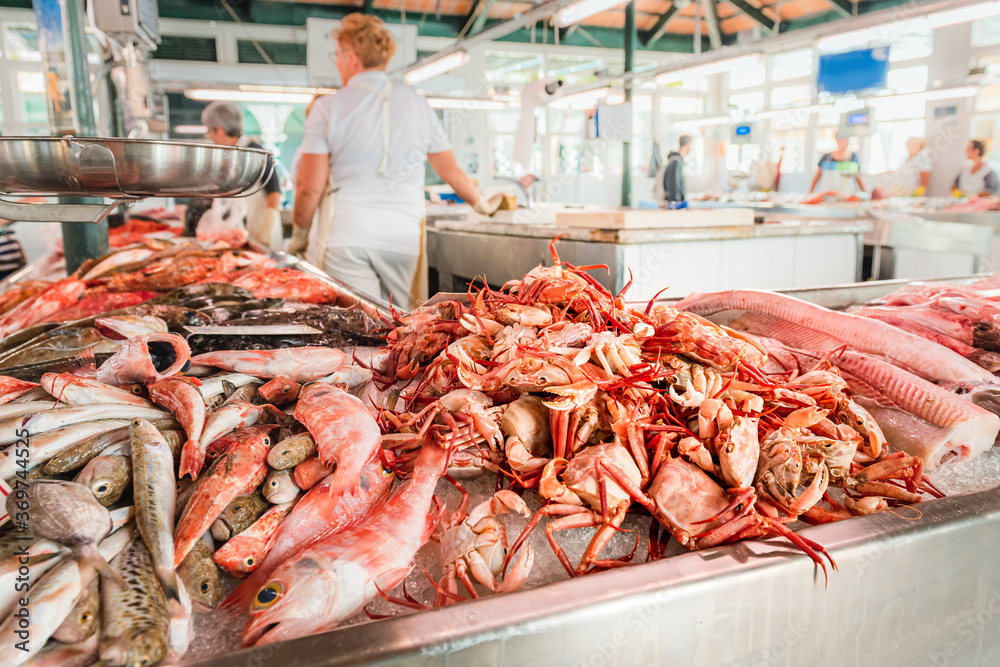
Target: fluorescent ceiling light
column 889, row 31
column 706, row 70
column 702, row 122
column 579, row 11
column 437, row 67
column 190, row 129
column 464, row 103
column 247, row 96
column 308, row 90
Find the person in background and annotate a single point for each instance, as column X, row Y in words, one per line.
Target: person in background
column 672, row 178
column 912, row 177
column 224, row 121
column 833, row 167
column 372, row 140
column 978, row 178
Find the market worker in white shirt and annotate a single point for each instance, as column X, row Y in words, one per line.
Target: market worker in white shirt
column 371, row 141
column 978, row 178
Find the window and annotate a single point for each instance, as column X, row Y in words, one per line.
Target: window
column 888, row 144
column 790, row 96
column 682, row 105
column 897, row 109
column 792, row 65
column 907, row 79
column 31, row 86
column 747, row 76
column 574, row 71
column 21, row 42
column 512, row 68
column 748, row 102
column 911, row 46
column 986, row 31
column 790, row 147
column 988, row 99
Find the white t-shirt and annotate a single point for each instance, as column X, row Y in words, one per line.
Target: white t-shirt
column 372, row 211
column 907, row 179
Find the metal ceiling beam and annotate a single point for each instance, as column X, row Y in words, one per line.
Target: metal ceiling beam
column 711, row 11
column 537, row 13
column 484, row 13
column 843, row 7
column 756, row 14
column 367, row 7
column 660, row 28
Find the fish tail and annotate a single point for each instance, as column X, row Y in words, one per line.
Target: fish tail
column 192, row 460
column 91, row 557
column 168, row 580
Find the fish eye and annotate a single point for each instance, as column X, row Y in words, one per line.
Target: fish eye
column 135, row 422
column 136, row 389
column 268, row 595
column 249, row 561
column 267, row 441
column 238, row 508
column 85, row 616
column 204, row 587
column 103, row 488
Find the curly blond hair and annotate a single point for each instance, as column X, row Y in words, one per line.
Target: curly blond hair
column 366, row 36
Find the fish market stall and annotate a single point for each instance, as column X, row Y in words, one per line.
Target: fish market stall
column 778, row 256
column 268, row 407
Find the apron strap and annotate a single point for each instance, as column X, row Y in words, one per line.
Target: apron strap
column 384, row 95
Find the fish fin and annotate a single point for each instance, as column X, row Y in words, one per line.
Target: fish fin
column 169, row 585
column 90, row 556
column 240, row 599
column 201, row 607
column 192, row 460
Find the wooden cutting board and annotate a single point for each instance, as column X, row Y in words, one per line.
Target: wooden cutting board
column 631, row 218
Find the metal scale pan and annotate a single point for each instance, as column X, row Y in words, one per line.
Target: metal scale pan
column 124, row 170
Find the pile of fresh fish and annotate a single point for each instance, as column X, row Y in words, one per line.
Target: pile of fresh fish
column 159, row 463
column 120, row 541
column 929, row 399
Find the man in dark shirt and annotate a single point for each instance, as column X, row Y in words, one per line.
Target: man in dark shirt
column 674, row 189
column 224, row 121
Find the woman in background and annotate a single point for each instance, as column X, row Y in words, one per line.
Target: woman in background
column 912, row 177
column 837, row 168
column 978, row 178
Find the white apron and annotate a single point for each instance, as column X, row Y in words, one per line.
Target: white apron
column 264, row 228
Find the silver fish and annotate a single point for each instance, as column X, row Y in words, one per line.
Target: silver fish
column 199, row 575
column 107, row 476
column 239, row 515
column 45, row 447
column 279, row 487
column 134, row 618
column 82, row 621
column 13, row 429
column 155, row 498
column 66, row 513
column 291, row 451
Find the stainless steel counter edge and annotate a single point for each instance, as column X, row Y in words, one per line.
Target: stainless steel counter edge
column 546, row 614
column 674, row 234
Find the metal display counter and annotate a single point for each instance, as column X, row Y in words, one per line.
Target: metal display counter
column 909, row 591
column 919, row 587
column 769, row 256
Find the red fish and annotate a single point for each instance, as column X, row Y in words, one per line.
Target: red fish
column 310, row 472
column 299, row 364
column 11, row 388
column 181, row 397
column 279, row 391
column 244, row 465
column 344, row 431
column 330, row 507
column 334, row 578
